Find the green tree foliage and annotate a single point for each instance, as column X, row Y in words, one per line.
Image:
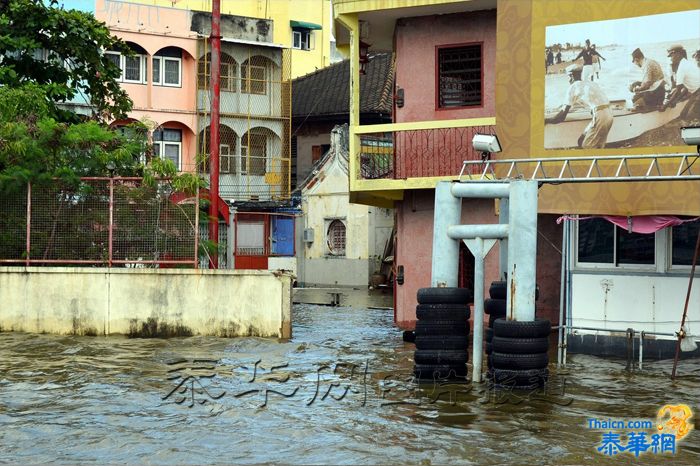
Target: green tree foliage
column 64, row 51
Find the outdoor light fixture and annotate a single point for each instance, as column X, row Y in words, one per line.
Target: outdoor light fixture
column 487, row 144
column 110, row 168
column 364, row 57
column 691, row 136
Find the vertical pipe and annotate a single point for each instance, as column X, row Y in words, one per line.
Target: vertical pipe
column 111, row 222
column 214, row 129
column 562, row 288
column 641, row 349
column 478, row 334
column 503, row 243
column 196, row 230
column 681, row 334
column 230, row 244
column 522, row 251
column 29, row 223
column 445, row 260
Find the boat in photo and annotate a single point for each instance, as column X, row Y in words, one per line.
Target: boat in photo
column 627, row 124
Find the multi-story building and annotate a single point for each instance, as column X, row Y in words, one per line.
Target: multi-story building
column 304, row 26
column 168, row 81
column 502, row 67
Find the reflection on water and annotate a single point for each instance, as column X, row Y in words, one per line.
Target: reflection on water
column 338, row 392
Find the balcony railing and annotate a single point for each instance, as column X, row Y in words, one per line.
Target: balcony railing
column 421, row 149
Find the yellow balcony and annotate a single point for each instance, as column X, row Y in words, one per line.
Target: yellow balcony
column 388, row 159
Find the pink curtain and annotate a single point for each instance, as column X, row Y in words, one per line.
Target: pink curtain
column 640, row 223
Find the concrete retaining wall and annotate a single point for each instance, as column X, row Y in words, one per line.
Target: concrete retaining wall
column 145, row 302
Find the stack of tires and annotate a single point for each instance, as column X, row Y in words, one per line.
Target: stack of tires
column 495, row 307
column 442, row 333
column 519, row 353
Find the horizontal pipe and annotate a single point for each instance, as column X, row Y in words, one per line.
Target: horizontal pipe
column 495, row 231
column 611, row 330
column 481, row 190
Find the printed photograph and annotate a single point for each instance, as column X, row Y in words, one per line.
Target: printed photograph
column 621, row 83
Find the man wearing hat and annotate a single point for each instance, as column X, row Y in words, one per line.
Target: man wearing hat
column 588, row 94
column 651, row 90
column 685, row 78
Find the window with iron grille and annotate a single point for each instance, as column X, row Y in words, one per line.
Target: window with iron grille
column 335, row 238
column 459, row 76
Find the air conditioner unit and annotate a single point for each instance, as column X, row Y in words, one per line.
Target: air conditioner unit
column 308, row 235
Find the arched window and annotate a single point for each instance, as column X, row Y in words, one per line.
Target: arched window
column 255, row 74
column 228, row 72
column 227, row 150
column 335, row 238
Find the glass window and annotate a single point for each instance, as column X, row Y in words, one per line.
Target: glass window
column 336, row 238
column 132, row 68
column 596, row 241
column 228, row 72
column 635, row 248
column 227, row 162
column 254, row 153
column 156, row 70
column 171, row 71
column 167, row 144
column 683, row 240
column 459, row 76
column 301, row 39
column 254, row 79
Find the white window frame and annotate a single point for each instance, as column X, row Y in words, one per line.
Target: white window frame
column 225, row 154
column 659, row 244
column 143, row 68
column 160, row 152
column 668, row 232
column 161, row 71
column 301, row 34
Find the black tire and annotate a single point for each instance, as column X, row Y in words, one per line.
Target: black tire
column 489, row 348
column 495, row 307
column 409, row 336
column 449, row 342
column 537, row 328
column 440, row 371
column 441, row 357
column 520, row 345
column 492, row 319
column 444, row 296
column 520, row 361
column 442, row 327
column 520, row 377
column 442, row 312
column 488, row 335
column 498, row 290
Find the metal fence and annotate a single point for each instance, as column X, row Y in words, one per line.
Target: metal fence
column 115, row 222
column 418, row 152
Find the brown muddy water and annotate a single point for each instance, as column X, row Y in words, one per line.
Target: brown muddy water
column 338, row 392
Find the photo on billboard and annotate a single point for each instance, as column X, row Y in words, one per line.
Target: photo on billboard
column 621, row 83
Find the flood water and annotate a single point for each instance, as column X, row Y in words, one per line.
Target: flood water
column 338, row 392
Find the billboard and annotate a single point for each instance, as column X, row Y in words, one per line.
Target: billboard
column 621, row 83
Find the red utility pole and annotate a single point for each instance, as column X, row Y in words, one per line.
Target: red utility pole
column 215, row 87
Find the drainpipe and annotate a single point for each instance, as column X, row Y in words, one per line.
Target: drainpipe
column 562, row 290
column 522, row 251
column 214, row 129
column 503, row 243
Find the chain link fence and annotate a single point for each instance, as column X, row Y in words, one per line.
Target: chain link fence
column 117, row 222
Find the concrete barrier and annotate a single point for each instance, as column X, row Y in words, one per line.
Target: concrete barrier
column 146, row 302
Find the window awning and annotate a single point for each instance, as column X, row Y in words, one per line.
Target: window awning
column 304, row 25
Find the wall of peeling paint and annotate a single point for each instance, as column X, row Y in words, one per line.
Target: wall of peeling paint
column 98, row 301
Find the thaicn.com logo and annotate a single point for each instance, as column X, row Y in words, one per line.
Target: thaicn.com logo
column 644, row 436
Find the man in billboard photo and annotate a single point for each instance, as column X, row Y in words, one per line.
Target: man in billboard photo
column 587, row 54
column 649, row 93
column 590, row 95
column 685, row 76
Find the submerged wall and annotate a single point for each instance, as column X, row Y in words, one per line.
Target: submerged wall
column 145, row 302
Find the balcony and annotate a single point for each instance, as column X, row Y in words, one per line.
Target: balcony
column 413, row 155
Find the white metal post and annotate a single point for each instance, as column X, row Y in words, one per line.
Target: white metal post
column 522, row 251
column 503, row 243
column 445, row 261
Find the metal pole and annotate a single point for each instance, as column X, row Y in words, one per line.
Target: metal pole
column 196, row 231
column 685, row 308
column 481, row 190
column 522, row 251
column 641, row 348
column 29, row 223
column 445, row 260
column 562, row 288
column 111, row 222
column 214, row 129
column 503, row 243
column 477, row 340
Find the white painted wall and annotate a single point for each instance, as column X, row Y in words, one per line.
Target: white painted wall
column 107, row 301
column 652, row 302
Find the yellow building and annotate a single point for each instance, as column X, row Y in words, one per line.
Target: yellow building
column 303, row 25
